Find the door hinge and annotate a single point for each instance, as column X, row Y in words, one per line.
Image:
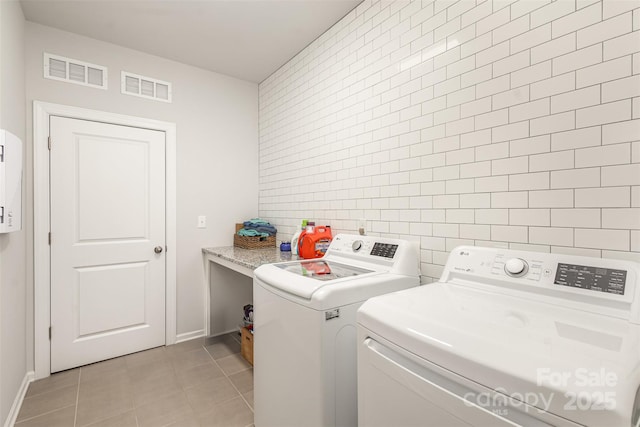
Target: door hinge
column 49, row 238
column 49, row 333
column 49, row 143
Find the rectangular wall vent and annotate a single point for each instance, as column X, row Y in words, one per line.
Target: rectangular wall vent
column 145, row 87
column 74, row 71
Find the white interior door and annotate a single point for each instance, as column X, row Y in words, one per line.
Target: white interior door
column 107, row 241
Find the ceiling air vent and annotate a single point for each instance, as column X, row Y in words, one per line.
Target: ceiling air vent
column 74, row 71
column 145, row 87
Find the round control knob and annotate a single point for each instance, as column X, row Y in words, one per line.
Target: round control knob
column 516, row 267
column 357, row 245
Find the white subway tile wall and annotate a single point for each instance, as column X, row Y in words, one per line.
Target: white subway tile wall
column 492, row 123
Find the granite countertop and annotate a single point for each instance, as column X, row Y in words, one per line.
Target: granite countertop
column 250, row 258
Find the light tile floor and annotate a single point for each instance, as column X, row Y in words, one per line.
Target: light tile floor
column 203, row 382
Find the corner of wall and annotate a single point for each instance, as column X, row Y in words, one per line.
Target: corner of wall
column 19, row 398
column 14, row 324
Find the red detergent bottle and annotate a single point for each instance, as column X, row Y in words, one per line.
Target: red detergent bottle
column 315, row 242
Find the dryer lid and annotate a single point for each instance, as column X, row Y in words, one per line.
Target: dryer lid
column 526, row 349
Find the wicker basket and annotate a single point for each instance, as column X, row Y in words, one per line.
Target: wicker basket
column 252, row 242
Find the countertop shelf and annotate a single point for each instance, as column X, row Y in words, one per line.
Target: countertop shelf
column 247, row 258
column 224, row 289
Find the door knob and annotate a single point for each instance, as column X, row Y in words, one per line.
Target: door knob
column 157, row 249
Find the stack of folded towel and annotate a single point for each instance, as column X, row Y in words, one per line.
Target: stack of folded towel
column 257, row 227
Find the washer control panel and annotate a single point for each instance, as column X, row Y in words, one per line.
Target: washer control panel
column 385, row 250
column 367, row 246
column 397, row 256
column 609, row 280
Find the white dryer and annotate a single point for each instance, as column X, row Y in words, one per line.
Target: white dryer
column 505, row 338
column 305, row 328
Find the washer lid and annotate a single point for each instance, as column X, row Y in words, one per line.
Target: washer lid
column 304, row 278
column 323, row 270
column 554, row 358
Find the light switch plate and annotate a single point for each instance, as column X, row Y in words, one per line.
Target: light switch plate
column 202, row 221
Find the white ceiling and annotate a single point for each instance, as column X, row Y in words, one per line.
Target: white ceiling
column 247, row 39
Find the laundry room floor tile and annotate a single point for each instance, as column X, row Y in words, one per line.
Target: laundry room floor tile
column 143, row 358
column 172, row 408
column 64, row 417
column 234, row 363
column 243, row 380
column 155, row 387
column 204, row 396
column 127, row 419
column 232, row 413
column 189, row 359
column 48, row 402
column 105, row 369
column 152, row 369
column 202, row 382
column 248, row 396
column 103, row 398
column 219, row 347
column 188, row 377
column 54, row 382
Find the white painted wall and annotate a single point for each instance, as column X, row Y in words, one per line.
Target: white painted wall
column 217, row 148
column 13, row 247
column 491, row 122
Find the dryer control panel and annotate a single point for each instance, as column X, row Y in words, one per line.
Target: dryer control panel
column 595, row 284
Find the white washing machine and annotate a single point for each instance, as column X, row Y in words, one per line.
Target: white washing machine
column 305, row 328
column 505, row 338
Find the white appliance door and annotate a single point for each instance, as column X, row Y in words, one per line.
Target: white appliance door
column 108, row 239
column 521, row 346
column 398, row 389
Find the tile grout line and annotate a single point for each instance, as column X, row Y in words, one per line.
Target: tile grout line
column 229, row 379
column 135, row 406
column 175, row 374
column 133, row 403
column 41, row 415
column 75, row 415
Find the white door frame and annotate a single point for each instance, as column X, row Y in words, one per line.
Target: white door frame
column 41, row 219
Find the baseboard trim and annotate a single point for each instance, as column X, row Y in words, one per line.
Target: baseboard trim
column 17, row 402
column 188, row 336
